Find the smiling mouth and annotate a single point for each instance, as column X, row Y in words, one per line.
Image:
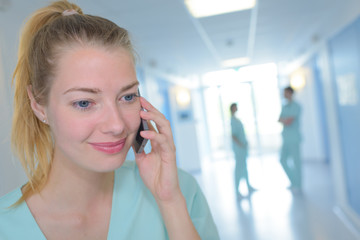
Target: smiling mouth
column 109, row 147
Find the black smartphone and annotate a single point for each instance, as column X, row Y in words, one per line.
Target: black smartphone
column 140, row 142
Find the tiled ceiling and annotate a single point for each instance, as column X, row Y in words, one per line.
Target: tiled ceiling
column 169, row 39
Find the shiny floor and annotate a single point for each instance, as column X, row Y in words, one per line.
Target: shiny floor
column 272, row 212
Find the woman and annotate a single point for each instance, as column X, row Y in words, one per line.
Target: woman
column 77, row 112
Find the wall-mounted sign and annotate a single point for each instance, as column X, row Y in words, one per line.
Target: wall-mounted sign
column 347, row 90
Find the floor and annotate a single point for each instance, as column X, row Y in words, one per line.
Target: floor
column 272, row 212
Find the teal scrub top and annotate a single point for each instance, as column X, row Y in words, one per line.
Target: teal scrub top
column 134, row 214
column 291, row 133
column 237, row 130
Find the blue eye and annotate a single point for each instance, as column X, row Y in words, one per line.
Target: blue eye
column 129, row 98
column 83, row 105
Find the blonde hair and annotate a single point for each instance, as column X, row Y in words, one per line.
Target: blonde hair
column 46, row 35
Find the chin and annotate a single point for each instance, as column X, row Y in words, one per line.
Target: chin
column 110, row 166
column 111, row 162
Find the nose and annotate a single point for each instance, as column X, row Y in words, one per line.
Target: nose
column 113, row 122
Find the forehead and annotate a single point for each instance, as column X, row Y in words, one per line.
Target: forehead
column 94, row 67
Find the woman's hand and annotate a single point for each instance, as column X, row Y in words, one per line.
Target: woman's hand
column 159, row 173
column 158, row 168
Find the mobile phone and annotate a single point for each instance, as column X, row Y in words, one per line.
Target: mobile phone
column 139, row 141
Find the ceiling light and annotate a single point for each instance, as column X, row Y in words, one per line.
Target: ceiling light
column 297, row 80
column 183, row 97
column 236, row 62
column 205, row 8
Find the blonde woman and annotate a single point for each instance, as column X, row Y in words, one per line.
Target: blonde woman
column 76, row 115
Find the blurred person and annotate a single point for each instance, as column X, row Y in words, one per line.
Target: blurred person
column 77, row 112
column 240, row 148
column 290, row 152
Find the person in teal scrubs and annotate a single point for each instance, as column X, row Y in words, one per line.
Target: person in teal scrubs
column 240, row 148
column 77, row 112
column 290, row 152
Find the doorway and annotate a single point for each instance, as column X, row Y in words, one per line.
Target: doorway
column 255, row 90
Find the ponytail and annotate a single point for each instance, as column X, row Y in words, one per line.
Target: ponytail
column 30, row 137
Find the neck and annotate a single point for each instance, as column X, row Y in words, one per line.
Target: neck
column 72, row 186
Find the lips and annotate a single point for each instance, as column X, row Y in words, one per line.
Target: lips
column 109, row 147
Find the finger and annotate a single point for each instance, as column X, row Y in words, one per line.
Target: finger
column 169, row 137
column 159, row 141
column 162, row 124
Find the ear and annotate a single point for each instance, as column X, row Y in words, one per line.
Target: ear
column 38, row 109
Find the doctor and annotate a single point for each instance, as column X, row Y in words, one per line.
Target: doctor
column 240, row 148
column 289, row 118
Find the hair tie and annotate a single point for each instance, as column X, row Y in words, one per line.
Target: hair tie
column 69, row 12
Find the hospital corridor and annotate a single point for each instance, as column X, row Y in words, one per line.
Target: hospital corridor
column 259, row 101
column 274, row 211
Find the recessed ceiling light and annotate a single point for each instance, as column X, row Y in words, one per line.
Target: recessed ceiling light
column 298, row 80
column 205, row 8
column 236, row 62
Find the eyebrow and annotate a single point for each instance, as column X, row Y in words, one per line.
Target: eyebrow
column 96, row 90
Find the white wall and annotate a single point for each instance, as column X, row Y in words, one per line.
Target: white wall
column 186, row 138
column 350, row 218
column 333, row 126
column 312, row 144
column 11, row 173
column 200, row 116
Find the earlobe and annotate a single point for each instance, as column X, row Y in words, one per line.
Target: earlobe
column 38, row 109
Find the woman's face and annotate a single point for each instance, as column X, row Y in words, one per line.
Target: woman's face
column 93, row 109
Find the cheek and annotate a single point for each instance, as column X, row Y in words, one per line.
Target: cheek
column 67, row 127
column 132, row 121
